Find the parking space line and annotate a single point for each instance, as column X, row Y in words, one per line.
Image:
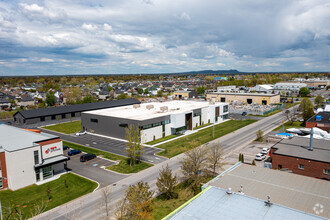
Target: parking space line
column 75, row 156
column 106, row 164
column 93, row 160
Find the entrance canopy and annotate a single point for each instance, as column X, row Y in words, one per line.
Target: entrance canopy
column 51, row 161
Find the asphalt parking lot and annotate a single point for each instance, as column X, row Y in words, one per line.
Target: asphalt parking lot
column 94, row 169
column 115, row 146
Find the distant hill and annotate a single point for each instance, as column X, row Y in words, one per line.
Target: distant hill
column 211, row 72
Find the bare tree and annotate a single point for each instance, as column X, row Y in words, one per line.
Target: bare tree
column 38, row 209
column 166, row 182
column 106, row 198
column 133, row 146
column 214, row 157
column 193, row 162
column 291, row 115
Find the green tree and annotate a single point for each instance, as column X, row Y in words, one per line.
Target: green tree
column 133, row 146
column 160, row 93
column 306, row 107
column 146, row 91
column 110, row 88
column 260, row 136
column 319, row 101
column 50, row 99
column 122, row 96
column 304, row 91
column 137, row 203
column 166, row 182
column 140, row 91
column 89, row 99
column 201, row 90
column 253, row 163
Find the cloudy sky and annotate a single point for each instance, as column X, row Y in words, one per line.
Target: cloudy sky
column 157, row 36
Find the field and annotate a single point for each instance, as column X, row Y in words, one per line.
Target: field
column 184, row 144
column 66, row 128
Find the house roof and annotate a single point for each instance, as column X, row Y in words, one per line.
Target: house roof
column 295, row 191
column 325, row 117
column 298, row 147
column 215, row 203
column 13, row 138
column 34, row 113
column 4, row 101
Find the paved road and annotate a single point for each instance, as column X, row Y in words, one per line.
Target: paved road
column 88, row 206
column 109, row 145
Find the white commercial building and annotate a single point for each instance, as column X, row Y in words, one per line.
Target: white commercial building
column 263, row 88
column 155, row 120
column 27, row 157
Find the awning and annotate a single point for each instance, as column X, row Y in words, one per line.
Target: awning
column 53, row 160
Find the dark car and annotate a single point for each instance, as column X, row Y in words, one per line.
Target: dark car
column 244, row 113
column 87, row 157
column 74, row 152
column 66, row 148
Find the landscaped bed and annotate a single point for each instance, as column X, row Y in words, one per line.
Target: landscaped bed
column 122, row 167
column 295, row 124
column 162, row 139
column 49, row 195
column 66, row 128
column 203, row 136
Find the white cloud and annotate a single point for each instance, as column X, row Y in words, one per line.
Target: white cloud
column 89, row 27
column 107, row 27
column 185, row 16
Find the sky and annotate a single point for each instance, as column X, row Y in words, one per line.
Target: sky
column 58, row 37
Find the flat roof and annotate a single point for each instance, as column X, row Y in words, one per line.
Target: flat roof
column 298, row 147
column 142, row 113
column 215, row 203
column 325, row 117
column 12, row 138
column 295, row 191
column 41, row 112
column 242, row 94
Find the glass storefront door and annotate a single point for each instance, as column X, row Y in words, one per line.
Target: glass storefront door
column 47, row 172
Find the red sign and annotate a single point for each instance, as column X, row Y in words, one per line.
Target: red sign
column 51, row 149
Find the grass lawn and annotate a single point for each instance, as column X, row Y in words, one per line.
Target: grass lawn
column 162, row 139
column 202, row 126
column 162, row 207
column 122, row 167
column 183, row 144
column 6, row 114
column 296, row 124
column 66, row 128
column 68, row 187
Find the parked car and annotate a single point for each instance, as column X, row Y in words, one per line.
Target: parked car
column 66, row 148
column 87, row 157
column 244, row 113
column 81, row 133
column 260, row 157
column 265, row 151
column 74, row 152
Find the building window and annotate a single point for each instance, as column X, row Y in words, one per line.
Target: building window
column 301, row 166
column 47, row 172
column 38, row 175
column 225, row 108
column 197, row 114
column 36, row 157
column 326, row 171
column 42, row 118
column 1, row 185
column 73, row 114
column 53, row 117
column 63, row 116
column 94, row 120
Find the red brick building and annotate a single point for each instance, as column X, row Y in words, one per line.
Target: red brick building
column 294, row 155
column 320, row 120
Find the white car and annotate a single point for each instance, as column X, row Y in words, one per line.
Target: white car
column 265, row 151
column 81, row 133
column 260, row 157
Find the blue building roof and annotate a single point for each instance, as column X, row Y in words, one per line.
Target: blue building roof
column 215, row 203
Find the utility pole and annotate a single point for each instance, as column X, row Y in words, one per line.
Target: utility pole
column 1, row 210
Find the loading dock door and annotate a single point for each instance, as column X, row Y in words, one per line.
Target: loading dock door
column 264, row 102
column 249, row 101
column 222, row 99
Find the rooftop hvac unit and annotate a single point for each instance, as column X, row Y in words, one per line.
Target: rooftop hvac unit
column 149, row 107
column 318, row 117
column 136, row 106
column 164, row 108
